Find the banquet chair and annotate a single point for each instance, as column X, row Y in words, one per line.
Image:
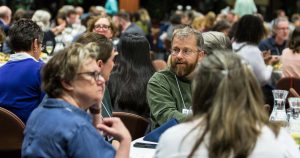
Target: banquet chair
column 289, row 82
column 137, row 125
column 11, row 134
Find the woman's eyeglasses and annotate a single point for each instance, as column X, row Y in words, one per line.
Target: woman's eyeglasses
column 102, row 26
column 95, row 74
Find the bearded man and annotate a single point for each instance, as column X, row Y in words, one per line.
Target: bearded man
column 169, row 91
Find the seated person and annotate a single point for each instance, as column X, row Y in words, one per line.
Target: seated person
column 169, row 91
column 20, row 77
column 290, row 57
column 228, row 116
column 60, row 126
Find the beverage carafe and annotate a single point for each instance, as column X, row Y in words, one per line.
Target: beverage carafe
column 278, row 114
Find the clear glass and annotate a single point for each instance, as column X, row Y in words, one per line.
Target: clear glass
column 294, row 121
column 278, row 114
column 49, row 47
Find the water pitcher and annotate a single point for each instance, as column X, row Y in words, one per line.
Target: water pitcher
column 279, row 113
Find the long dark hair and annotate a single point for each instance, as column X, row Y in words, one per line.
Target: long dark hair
column 294, row 42
column 128, row 81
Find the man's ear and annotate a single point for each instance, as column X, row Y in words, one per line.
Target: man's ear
column 201, row 55
column 67, row 85
column 100, row 63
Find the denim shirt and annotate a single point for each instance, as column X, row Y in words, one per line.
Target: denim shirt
column 59, row 129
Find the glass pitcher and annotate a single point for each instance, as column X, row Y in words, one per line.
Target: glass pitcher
column 278, row 114
column 294, row 120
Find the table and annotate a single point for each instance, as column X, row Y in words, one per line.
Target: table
column 141, row 152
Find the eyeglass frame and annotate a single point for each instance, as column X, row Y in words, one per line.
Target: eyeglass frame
column 95, row 74
column 185, row 51
column 102, row 26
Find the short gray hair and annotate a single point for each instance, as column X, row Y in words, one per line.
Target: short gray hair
column 42, row 18
column 188, row 31
column 277, row 21
column 64, row 65
column 215, row 40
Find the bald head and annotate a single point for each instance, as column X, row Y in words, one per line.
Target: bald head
column 5, row 14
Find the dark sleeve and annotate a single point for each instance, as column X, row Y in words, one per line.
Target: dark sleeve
column 263, row 46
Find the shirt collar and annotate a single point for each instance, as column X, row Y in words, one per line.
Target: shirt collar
column 59, row 103
column 21, row 56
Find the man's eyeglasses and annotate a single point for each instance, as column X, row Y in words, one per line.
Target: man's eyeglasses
column 282, row 28
column 184, row 51
column 95, row 74
column 102, row 26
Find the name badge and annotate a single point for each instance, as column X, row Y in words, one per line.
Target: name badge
column 187, row 112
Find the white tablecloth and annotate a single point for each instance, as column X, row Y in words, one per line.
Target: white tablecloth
column 141, row 152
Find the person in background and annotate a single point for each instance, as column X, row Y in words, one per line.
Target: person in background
column 73, row 81
column 126, row 25
column 228, row 116
column 295, row 20
column 144, row 22
column 72, row 18
column 105, row 60
column 246, row 45
column 80, row 11
column 278, row 41
column 215, row 40
column 42, row 18
column 244, row 7
column 101, row 25
column 169, row 91
column 111, row 7
column 20, row 80
column 290, row 57
column 128, row 81
column 5, row 18
column 222, row 26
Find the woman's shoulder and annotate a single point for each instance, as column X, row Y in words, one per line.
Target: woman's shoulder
column 179, row 131
column 271, row 145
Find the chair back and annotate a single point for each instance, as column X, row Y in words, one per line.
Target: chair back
column 137, row 125
column 289, row 82
column 11, row 133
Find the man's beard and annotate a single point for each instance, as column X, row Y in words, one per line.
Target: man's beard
column 183, row 69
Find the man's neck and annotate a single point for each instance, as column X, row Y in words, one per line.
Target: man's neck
column 126, row 26
column 279, row 41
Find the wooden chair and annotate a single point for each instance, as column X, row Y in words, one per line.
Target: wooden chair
column 136, row 124
column 287, row 83
column 11, row 134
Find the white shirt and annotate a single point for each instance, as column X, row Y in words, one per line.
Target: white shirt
column 173, row 145
column 252, row 55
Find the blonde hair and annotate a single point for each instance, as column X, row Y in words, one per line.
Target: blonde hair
column 144, row 15
column 198, row 23
column 228, row 97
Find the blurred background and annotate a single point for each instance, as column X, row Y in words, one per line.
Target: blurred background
column 159, row 9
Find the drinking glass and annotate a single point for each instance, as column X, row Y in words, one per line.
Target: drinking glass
column 49, row 47
column 294, row 121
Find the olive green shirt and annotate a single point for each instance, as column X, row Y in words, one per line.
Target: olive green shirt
column 164, row 98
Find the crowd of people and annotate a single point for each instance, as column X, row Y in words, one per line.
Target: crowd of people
column 66, row 75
